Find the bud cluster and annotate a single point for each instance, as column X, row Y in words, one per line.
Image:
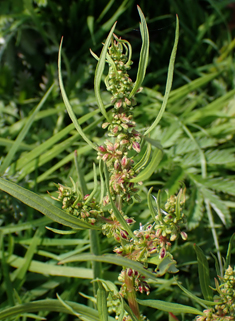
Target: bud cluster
column 113, row 228
column 226, row 309
column 121, row 128
column 138, row 280
column 168, row 221
column 81, row 206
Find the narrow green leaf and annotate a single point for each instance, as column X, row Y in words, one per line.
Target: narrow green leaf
column 102, row 303
column 144, row 53
column 95, row 185
column 62, row 232
column 228, row 256
column 67, row 104
column 50, row 269
column 81, row 178
column 40, row 204
column 22, row 270
column 151, row 167
column 169, row 307
column 90, row 24
column 177, row 205
column 150, row 204
column 117, row 214
column 203, row 303
column 144, row 160
column 8, row 159
column 24, row 226
column 169, row 79
column 99, row 72
column 67, row 306
column 51, row 305
column 112, row 259
column 204, row 274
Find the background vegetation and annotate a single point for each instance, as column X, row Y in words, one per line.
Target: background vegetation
column 196, row 131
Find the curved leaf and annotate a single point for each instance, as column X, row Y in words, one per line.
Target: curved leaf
column 151, row 167
column 204, row 274
column 51, row 305
column 169, row 307
column 169, row 79
column 144, row 53
column 112, row 259
column 40, row 204
column 67, row 104
column 99, row 72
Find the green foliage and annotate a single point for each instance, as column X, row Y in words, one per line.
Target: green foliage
column 191, row 144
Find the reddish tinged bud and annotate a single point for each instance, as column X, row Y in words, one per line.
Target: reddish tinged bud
column 162, row 253
column 130, row 221
column 147, row 236
column 129, row 272
column 136, row 273
column 124, row 161
column 117, row 237
column 158, row 232
column 115, row 129
column 147, row 289
column 110, row 147
column 124, row 234
column 124, row 142
column 125, row 126
column 86, row 197
column 116, row 164
column 116, row 145
column 118, row 251
column 128, row 102
column 184, row 236
column 105, row 125
column 102, row 149
column 140, row 288
column 118, row 104
column 136, row 147
column 105, row 157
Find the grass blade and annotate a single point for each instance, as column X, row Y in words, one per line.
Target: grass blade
column 169, row 79
column 23, row 133
column 67, row 104
column 144, row 53
column 169, row 307
column 99, row 72
column 204, row 275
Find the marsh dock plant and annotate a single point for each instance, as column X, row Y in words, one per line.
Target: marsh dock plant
column 124, row 172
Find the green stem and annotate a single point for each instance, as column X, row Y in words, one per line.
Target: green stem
column 131, row 296
column 95, row 249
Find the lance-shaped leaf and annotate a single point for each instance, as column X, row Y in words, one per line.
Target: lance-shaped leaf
column 102, row 302
column 40, row 204
column 67, row 104
column 169, row 307
column 144, row 53
column 112, row 259
column 228, row 256
column 85, row 312
column 99, row 72
column 202, row 302
column 150, row 168
column 204, row 275
column 169, row 79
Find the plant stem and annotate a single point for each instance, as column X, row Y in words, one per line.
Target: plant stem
column 131, row 296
